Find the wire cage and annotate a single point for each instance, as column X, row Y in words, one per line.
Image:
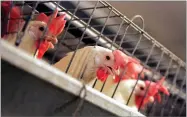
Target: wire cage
column 97, row 23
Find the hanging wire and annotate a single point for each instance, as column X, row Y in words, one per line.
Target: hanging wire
column 73, row 100
column 81, row 103
column 143, row 26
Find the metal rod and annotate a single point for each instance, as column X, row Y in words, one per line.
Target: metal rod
column 166, row 73
column 151, row 77
column 113, row 41
column 156, row 70
column 101, row 33
column 175, row 101
column 63, row 36
column 20, row 35
column 81, row 37
column 173, row 83
column 181, row 110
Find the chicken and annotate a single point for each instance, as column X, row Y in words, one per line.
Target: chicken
column 137, row 99
column 94, row 61
column 30, row 42
column 124, row 90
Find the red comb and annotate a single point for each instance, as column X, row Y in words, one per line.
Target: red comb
column 152, row 92
column 132, row 71
column 15, row 15
column 55, row 27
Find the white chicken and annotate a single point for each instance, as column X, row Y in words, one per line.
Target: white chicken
column 124, row 90
column 30, row 40
column 89, row 63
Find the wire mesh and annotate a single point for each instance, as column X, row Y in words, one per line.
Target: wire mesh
column 99, row 23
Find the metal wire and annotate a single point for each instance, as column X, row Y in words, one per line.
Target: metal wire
column 81, row 37
column 103, row 27
column 98, row 40
column 175, row 101
column 63, row 36
column 173, row 83
column 114, row 39
column 151, row 78
column 149, row 110
column 181, row 110
column 22, row 33
column 117, row 37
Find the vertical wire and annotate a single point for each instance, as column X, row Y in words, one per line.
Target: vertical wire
column 132, row 19
column 141, row 73
column 123, row 73
column 20, row 35
column 101, row 33
column 183, row 105
column 165, row 75
column 156, row 70
column 64, row 35
column 141, row 33
column 100, row 36
column 19, row 23
column 173, row 83
column 175, row 101
column 113, row 41
column 147, row 59
column 81, row 37
column 124, row 35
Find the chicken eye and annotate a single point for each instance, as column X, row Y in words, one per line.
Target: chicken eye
column 142, row 88
column 107, row 57
column 41, row 28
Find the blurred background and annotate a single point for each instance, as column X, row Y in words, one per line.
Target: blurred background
column 164, row 20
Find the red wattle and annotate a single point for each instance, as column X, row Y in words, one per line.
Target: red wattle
column 102, row 74
column 43, row 47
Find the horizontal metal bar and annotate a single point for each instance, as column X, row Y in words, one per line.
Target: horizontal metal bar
column 59, row 79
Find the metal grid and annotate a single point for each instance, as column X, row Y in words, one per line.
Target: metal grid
column 98, row 23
